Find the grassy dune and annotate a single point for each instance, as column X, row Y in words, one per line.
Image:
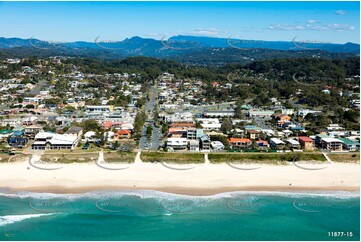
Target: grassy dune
column 177, row 158
column 274, row 158
column 69, row 158
column 12, row 158
column 347, row 158
column 119, row 157
column 4, row 158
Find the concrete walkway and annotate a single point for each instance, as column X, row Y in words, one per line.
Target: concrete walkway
column 206, row 160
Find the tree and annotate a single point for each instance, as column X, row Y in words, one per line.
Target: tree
column 139, row 122
column 351, row 116
column 226, row 126
column 90, row 125
column 149, row 131
column 68, row 107
column 141, row 102
column 238, row 110
column 30, row 106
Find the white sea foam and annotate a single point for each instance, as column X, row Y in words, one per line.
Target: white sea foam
column 9, row 219
column 151, row 194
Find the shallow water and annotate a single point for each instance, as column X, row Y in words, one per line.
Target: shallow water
column 151, row 215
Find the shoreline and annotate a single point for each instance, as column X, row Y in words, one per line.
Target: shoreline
column 192, row 179
column 183, row 190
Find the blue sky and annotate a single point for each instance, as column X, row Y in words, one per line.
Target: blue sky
column 335, row 22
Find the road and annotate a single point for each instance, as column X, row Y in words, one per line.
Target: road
column 153, row 142
column 37, row 88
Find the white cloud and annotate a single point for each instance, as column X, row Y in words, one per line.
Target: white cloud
column 340, row 27
column 311, row 26
column 312, row 21
column 340, row 12
column 206, row 32
column 286, row 27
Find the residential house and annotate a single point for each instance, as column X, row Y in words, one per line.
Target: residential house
column 318, row 139
column 177, row 143
column 194, row 133
column 306, row 143
column 260, row 113
column 17, row 139
column 205, row 143
column 350, row 145
column 293, row 143
column 253, row 134
column 4, row 134
column 240, row 143
column 219, row 113
column 262, row 144
column 182, row 125
column 331, row 144
column 122, row 134
column 335, row 127
column 32, row 130
column 277, row 144
column 193, row 145
column 217, row 145
column 303, row 112
column 75, row 132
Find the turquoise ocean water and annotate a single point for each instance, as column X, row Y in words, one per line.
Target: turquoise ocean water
column 151, row 215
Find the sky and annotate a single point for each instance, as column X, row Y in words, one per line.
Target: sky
column 313, row 22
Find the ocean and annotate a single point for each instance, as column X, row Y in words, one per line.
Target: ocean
column 152, row 215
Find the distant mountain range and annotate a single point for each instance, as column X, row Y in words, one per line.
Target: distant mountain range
column 182, row 48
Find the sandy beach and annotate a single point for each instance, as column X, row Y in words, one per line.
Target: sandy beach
column 192, row 179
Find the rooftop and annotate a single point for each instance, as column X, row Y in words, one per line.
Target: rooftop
column 305, row 139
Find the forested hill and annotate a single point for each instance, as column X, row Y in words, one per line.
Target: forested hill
column 185, row 49
column 279, row 68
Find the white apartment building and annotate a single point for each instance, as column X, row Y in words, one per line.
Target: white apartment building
column 52, row 141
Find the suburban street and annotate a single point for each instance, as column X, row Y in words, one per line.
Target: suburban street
column 154, row 142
